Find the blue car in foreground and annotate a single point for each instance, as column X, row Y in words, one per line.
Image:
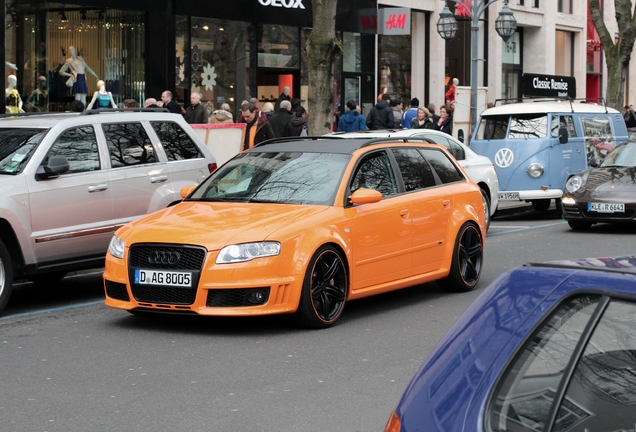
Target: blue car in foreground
column 547, row 347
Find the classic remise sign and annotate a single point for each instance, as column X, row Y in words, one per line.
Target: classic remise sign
column 289, row 4
column 549, row 86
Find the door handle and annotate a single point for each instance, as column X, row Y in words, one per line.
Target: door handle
column 404, row 213
column 466, row 166
column 97, row 188
column 158, row 179
column 446, row 203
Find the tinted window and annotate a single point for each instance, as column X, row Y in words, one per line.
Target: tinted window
column 525, row 396
column 445, row 169
column 128, row 144
column 79, row 147
column 493, row 128
column 376, row 173
column 16, row 146
column 175, row 141
column 416, row 172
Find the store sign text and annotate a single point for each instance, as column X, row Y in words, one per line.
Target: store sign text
column 289, row 4
column 550, row 85
column 395, row 21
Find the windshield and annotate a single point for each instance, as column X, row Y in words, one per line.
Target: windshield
column 285, row 177
column 623, row 156
column 522, row 126
column 16, row 146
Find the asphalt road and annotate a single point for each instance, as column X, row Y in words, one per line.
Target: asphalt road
column 68, row 363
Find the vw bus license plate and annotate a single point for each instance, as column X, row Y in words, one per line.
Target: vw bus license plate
column 508, row 196
column 164, row 278
column 606, row 207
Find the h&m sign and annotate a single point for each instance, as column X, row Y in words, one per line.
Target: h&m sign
column 394, row 21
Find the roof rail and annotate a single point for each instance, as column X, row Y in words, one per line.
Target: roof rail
column 565, row 99
column 112, row 110
column 295, row 138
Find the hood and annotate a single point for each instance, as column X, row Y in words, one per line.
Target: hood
column 619, row 182
column 215, row 225
column 350, row 116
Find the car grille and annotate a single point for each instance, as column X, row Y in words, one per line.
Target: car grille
column 571, row 210
column 163, row 257
column 237, row 297
column 116, row 290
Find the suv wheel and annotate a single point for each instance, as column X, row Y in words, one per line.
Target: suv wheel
column 6, row 276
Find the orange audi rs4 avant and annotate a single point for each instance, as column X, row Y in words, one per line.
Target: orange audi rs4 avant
column 301, row 226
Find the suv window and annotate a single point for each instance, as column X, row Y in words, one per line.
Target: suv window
column 376, row 173
column 416, row 172
column 445, row 169
column 128, row 144
column 16, row 146
column 79, row 146
column 175, row 141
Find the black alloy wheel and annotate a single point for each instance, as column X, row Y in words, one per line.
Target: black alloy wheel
column 6, row 276
column 486, row 201
column 468, row 255
column 324, row 289
column 541, row 204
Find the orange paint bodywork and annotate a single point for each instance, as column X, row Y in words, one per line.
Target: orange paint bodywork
column 397, row 242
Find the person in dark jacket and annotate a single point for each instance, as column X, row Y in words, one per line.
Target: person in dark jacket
column 256, row 130
column 298, row 123
column 396, row 107
column 445, row 122
column 196, row 112
column 280, row 120
column 352, row 120
column 424, row 119
column 169, row 103
column 381, row 115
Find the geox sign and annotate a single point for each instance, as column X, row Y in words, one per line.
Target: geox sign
column 289, row 4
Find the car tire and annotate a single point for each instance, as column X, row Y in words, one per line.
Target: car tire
column 6, row 276
column 486, row 200
column 541, row 204
column 48, row 278
column 468, row 255
column 578, row 225
column 324, row 290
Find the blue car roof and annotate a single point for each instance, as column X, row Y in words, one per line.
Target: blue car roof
column 455, row 381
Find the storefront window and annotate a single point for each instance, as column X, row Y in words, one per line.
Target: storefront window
column 394, row 65
column 564, row 59
column 351, row 61
column 107, row 45
column 278, row 46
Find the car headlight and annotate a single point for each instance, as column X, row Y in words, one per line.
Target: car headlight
column 247, row 251
column 116, row 247
column 535, row 170
column 575, row 183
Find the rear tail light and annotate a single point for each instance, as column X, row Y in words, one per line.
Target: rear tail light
column 212, row 167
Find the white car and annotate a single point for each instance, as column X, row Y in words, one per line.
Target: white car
column 479, row 168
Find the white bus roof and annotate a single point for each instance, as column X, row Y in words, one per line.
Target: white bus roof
column 548, row 107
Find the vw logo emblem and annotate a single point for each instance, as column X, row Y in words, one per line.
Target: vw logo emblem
column 504, row 158
column 162, row 257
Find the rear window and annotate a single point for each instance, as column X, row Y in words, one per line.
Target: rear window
column 175, row 141
column 17, row 146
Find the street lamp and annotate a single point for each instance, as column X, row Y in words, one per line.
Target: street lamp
column 505, row 24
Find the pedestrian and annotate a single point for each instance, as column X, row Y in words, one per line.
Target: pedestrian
column 396, row 107
column 433, row 110
column 196, row 112
column 151, row 103
column 129, row 103
column 445, row 122
column 77, row 106
column 284, row 96
column 630, row 116
column 256, row 130
column 424, row 119
column 268, row 110
column 259, row 113
column 279, row 120
column 352, row 120
column 222, row 115
column 450, row 94
column 381, row 116
column 170, row 103
column 298, row 125
column 409, row 115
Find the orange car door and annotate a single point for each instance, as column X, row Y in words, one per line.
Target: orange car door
column 430, row 204
column 380, row 232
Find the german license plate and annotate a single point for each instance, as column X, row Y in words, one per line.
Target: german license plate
column 163, row 277
column 508, row 196
column 606, row 207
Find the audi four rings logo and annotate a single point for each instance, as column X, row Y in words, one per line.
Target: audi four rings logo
column 164, row 257
column 504, row 158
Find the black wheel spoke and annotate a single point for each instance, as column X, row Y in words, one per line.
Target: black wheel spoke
column 328, row 286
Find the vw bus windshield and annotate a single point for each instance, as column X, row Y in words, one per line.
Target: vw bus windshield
column 522, row 126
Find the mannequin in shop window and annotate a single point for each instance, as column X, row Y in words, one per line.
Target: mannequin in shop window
column 103, row 98
column 12, row 96
column 75, row 69
column 38, row 99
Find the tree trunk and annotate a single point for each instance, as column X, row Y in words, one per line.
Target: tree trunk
column 322, row 48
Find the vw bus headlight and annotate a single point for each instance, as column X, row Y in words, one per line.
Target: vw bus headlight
column 535, row 170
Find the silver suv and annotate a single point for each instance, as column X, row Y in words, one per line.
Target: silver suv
column 68, row 181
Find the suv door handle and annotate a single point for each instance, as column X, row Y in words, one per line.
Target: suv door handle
column 158, row 179
column 98, row 188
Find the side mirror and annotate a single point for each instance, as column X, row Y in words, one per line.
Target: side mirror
column 460, row 135
column 563, row 135
column 365, row 196
column 55, row 166
column 187, row 190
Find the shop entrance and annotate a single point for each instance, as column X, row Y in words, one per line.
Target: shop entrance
column 271, row 83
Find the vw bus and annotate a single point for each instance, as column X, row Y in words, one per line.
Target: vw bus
column 537, row 146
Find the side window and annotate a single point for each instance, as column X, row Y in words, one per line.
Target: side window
column 493, row 127
column 563, row 121
column 457, row 151
column 523, row 399
column 445, row 169
column 175, row 141
column 79, row 146
column 416, row 172
column 599, row 138
column 376, row 173
column 128, row 144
